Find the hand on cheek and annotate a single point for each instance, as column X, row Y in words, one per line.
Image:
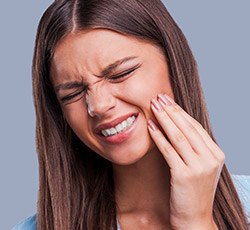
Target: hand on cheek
column 195, row 162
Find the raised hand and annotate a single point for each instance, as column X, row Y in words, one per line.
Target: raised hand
column 195, row 162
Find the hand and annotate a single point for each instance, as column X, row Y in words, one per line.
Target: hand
column 195, row 163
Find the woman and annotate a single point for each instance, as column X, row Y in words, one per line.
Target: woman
column 123, row 135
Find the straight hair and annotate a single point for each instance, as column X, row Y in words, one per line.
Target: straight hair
column 76, row 187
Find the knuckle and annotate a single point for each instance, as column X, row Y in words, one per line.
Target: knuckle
column 221, row 157
column 214, row 166
column 175, row 108
column 179, row 137
column 198, row 125
column 191, row 128
column 167, row 148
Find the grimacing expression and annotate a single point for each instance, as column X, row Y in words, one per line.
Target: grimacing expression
column 104, row 82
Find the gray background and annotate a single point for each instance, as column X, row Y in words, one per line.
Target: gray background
column 218, row 33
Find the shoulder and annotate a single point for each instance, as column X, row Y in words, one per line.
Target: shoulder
column 242, row 184
column 27, row 224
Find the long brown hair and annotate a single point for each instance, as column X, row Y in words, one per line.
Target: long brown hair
column 76, row 189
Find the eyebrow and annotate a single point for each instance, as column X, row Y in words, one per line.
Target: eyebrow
column 106, row 71
column 68, row 85
column 110, row 68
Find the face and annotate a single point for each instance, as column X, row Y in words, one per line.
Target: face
column 104, row 82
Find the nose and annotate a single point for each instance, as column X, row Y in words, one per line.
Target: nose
column 99, row 102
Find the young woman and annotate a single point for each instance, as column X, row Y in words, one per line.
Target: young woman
column 123, row 135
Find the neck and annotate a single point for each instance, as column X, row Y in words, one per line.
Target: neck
column 143, row 188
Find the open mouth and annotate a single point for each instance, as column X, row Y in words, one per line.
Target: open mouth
column 119, row 128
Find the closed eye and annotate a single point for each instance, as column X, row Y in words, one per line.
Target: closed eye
column 122, row 75
column 69, row 97
column 75, row 96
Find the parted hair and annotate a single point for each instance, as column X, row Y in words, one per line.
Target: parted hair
column 76, row 188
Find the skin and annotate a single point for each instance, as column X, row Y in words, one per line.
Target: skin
column 158, row 184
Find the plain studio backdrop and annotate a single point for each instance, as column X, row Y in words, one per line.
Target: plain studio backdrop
column 218, row 33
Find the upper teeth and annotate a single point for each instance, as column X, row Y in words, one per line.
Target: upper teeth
column 118, row 128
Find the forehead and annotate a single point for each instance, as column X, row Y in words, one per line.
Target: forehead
column 88, row 52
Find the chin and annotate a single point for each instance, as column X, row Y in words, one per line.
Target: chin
column 129, row 160
column 131, row 155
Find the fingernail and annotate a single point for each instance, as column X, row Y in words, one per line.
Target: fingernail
column 152, row 125
column 164, row 98
column 156, row 105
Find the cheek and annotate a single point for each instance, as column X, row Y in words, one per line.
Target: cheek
column 76, row 116
column 140, row 88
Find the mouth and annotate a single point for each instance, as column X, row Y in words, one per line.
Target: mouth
column 118, row 130
column 121, row 127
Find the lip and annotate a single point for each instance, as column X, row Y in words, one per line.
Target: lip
column 122, row 136
column 113, row 123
